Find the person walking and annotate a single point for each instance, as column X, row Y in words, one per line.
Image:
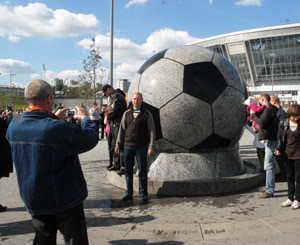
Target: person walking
column 116, row 109
column 45, row 154
column 267, row 133
column 136, row 136
column 289, row 148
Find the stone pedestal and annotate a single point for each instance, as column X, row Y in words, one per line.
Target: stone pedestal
column 196, row 166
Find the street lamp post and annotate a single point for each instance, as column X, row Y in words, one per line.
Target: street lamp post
column 111, row 42
column 10, row 74
column 272, row 71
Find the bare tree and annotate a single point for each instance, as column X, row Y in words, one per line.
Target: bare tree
column 92, row 67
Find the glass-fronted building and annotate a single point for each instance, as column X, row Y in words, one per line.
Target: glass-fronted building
column 267, row 58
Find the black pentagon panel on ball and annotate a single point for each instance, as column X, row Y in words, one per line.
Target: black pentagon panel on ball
column 212, row 142
column 203, row 81
column 152, row 60
column 155, row 113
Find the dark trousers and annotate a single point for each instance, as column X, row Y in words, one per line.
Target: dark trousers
column 141, row 155
column 293, row 178
column 70, row 223
column 97, row 122
column 281, row 163
column 102, row 130
column 110, row 152
column 118, row 159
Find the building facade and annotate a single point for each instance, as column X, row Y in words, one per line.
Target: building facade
column 123, row 84
column 12, row 91
column 268, row 59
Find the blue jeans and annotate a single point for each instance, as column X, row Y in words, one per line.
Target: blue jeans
column 270, row 160
column 140, row 152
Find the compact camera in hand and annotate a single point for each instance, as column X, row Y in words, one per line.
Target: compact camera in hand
column 71, row 113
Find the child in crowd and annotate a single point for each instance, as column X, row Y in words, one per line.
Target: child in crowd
column 252, row 104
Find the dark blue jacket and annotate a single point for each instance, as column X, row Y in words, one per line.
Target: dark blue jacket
column 281, row 114
column 45, row 153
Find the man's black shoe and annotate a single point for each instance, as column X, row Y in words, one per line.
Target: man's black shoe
column 2, row 208
column 127, row 198
column 121, row 172
column 145, row 199
column 109, row 166
column 114, row 168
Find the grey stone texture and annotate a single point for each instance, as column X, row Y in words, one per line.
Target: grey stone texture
column 196, row 166
column 160, row 83
column 189, row 54
column 229, row 72
column 229, row 114
column 180, row 121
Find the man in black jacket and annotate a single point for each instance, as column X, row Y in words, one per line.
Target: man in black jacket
column 281, row 114
column 117, row 108
column 137, row 136
column 267, row 133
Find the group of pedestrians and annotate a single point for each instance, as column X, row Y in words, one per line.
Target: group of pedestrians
column 280, row 134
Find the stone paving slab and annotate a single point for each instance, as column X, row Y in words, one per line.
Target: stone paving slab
column 237, row 218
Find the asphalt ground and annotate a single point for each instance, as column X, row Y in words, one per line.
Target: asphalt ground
column 237, row 218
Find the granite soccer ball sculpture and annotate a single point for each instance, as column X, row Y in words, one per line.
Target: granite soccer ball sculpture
column 195, row 96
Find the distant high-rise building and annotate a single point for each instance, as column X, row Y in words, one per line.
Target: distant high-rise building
column 72, row 83
column 123, row 84
column 56, row 81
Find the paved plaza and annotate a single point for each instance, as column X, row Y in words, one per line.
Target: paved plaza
column 239, row 218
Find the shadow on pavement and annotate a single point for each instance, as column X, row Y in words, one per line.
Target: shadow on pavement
column 142, row 241
column 18, row 209
column 16, row 228
column 111, row 221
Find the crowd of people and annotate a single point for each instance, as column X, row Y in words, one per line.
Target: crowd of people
column 277, row 139
column 44, row 147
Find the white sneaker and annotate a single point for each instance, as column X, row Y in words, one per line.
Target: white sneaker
column 287, row 203
column 295, row 205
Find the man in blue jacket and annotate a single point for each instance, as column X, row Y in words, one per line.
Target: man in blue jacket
column 45, row 153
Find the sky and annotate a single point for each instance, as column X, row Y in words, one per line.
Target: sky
column 58, row 33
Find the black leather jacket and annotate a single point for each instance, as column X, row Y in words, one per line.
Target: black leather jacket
column 117, row 107
column 282, row 128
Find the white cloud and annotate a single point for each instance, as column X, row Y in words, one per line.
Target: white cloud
column 67, row 74
column 36, row 19
column 70, row 74
column 136, row 2
column 14, row 39
column 131, row 56
column 211, row 2
column 14, row 66
column 34, row 76
column 248, row 2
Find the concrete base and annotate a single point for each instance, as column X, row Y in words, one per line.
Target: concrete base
column 191, row 187
column 220, row 163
